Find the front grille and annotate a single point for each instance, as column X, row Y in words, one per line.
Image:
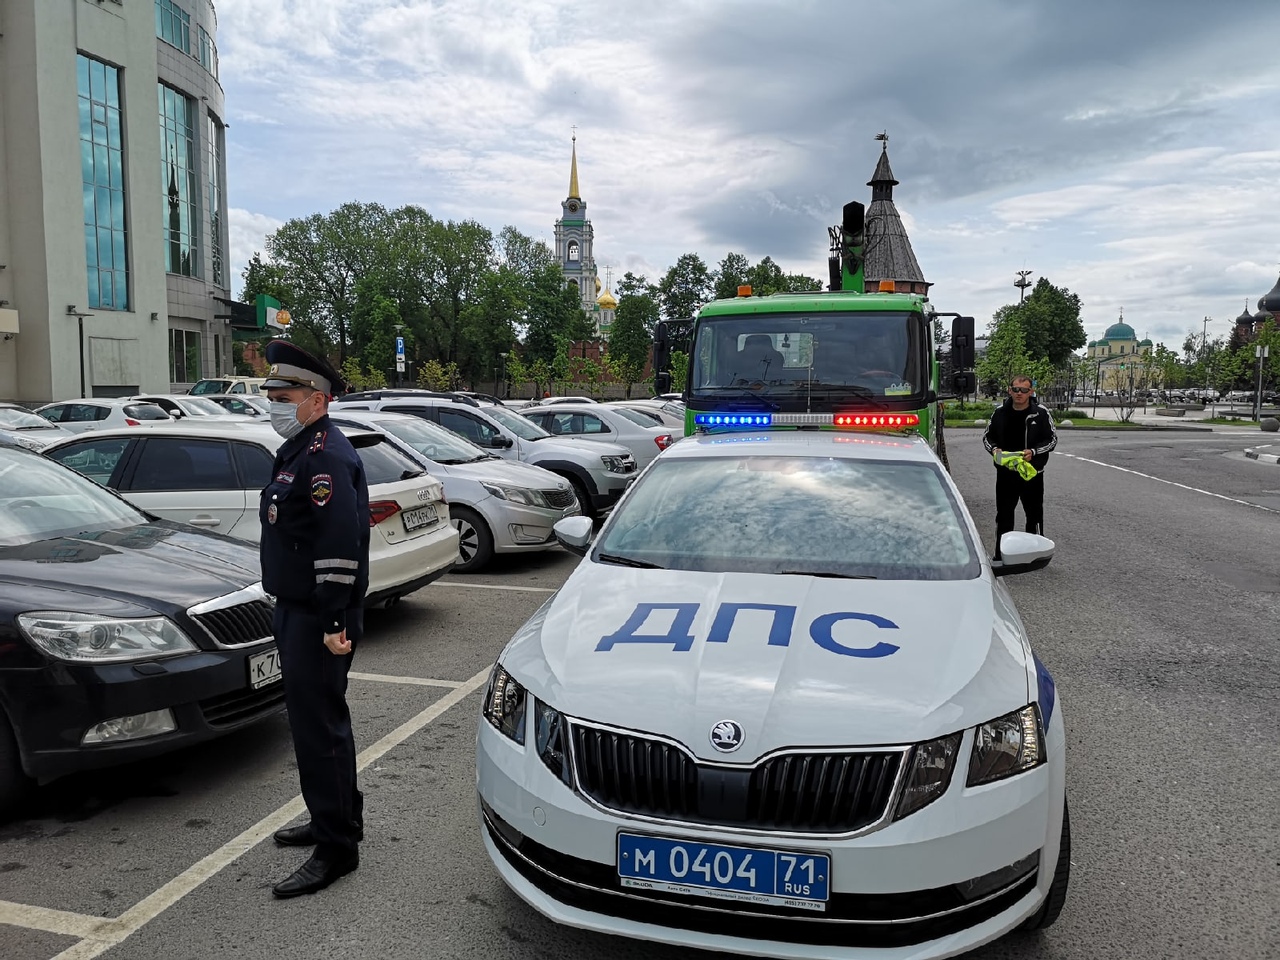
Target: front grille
column 239, row 625
column 242, row 706
column 559, row 499
column 629, row 465
column 797, row 792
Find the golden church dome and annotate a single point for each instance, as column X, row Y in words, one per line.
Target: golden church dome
column 607, row 301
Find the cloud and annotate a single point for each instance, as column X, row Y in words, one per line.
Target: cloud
column 247, row 232
column 1122, row 150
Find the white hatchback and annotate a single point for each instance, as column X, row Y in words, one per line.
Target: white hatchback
column 211, row 477
column 97, row 413
column 605, row 423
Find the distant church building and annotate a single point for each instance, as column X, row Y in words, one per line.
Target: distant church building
column 1117, row 353
column 574, row 240
column 888, row 252
column 1249, row 325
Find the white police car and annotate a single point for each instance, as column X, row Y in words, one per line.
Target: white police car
column 783, row 708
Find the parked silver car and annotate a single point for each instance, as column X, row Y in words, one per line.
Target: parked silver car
column 498, row 506
column 97, row 413
column 605, row 423
column 27, row 429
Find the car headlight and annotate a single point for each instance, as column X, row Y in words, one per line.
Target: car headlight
column 929, row 773
column 551, row 737
column 88, row 638
column 1006, row 746
column 531, row 498
column 618, row 464
column 504, row 704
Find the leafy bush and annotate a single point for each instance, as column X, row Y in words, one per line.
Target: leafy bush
column 1070, row 415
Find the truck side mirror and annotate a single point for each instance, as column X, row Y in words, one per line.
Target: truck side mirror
column 662, row 383
column 963, row 346
column 964, row 383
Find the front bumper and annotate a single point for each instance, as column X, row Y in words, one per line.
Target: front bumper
column 611, row 489
column 894, row 890
column 51, row 707
column 518, row 528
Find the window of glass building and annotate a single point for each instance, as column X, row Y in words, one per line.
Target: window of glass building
column 213, row 137
column 180, row 181
column 208, row 52
column 102, row 176
column 173, row 25
column 184, row 356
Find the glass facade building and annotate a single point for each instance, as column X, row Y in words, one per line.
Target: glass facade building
column 102, row 176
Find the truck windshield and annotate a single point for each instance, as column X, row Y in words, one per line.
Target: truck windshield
column 823, row 356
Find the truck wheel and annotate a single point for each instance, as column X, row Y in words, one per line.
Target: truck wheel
column 1052, row 906
column 475, row 541
column 942, row 441
column 15, row 785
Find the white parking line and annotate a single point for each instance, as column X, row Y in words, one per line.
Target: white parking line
column 55, row 921
column 132, row 920
column 495, row 586
column 418, row 681
column 1181, row 486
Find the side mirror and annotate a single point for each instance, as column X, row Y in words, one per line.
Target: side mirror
column 1022, row 553
column 574, row 534
column 662, row 382
column 965, row 383
column 964, row 348
column 503, row 442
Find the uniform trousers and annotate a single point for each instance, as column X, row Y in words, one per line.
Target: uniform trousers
column 315, row 692
column 1010, row 488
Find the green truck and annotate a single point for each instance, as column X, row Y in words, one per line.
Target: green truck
column 839, row 359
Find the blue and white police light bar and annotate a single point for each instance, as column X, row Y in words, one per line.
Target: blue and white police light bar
column 733, row 419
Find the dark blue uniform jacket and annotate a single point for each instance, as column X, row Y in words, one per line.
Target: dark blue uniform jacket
column 315, row 525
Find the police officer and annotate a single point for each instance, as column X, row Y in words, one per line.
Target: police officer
column 315, row 562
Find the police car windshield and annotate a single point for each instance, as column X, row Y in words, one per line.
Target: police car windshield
column 819, row 355
column 891, row 520
column 522, row 428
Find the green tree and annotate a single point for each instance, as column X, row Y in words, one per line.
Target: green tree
column 730, row 274
column 1050, row 320
column 553, row 309
column 630, row 337
column 1007, row 357
column 686, row 286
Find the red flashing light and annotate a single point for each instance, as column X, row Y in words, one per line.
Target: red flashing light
column 663, row 441
column 381, row 510
column 876, row 420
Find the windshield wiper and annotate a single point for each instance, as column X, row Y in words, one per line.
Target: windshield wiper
column 826, row 573
column 748, row 395
column 412, row 474
column 628, row 562
column 864, row 393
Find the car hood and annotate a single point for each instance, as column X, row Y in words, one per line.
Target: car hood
column 162, row 566
column 574, row 447
column 960, row 657
column 511, row 472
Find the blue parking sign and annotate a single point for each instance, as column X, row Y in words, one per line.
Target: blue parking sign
column 399, row 348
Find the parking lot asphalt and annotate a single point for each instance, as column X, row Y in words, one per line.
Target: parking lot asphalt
column 1157, row 618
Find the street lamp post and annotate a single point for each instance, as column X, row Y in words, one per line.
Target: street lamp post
column 1022, row 283
column 1261, row 353
column 1204, row 356
column 399, row 363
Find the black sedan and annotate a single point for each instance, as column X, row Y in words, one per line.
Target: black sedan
column 121, row 636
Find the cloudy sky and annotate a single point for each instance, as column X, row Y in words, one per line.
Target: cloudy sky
column 1127, row 149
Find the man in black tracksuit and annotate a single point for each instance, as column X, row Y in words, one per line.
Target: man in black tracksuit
column 1020, row 425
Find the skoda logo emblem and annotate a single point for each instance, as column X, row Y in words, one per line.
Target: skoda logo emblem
column 727, row 736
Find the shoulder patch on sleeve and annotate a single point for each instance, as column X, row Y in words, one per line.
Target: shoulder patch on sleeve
column 321, row 489
column 317, row 442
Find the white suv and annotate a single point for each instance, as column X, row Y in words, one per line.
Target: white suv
column 598, row 472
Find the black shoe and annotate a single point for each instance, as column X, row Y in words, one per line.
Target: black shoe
column 316, row 874
column 302, row 836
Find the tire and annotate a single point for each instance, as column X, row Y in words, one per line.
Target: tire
column 1043, row 918
column 15, row 785
column 584, row 498
column 475, row 540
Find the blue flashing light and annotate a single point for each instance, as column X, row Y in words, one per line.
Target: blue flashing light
column 733, row 419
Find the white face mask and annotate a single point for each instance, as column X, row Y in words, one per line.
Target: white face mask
column 284, row 419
